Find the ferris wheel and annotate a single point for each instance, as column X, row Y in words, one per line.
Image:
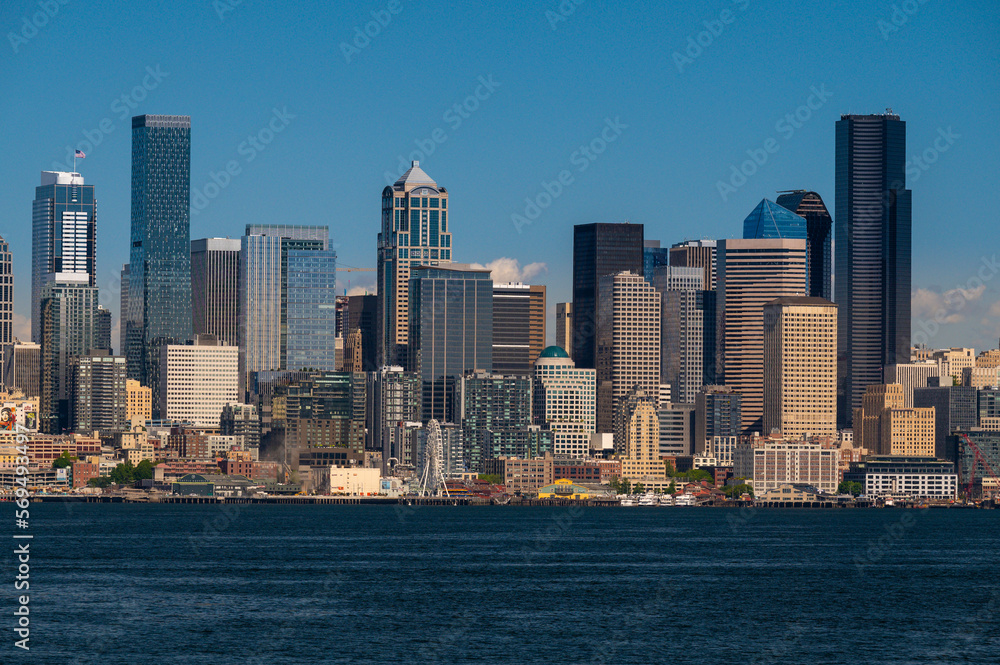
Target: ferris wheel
column 432, row 479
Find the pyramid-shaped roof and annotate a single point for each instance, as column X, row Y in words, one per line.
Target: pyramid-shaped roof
column 416, row 176
column 770, row 220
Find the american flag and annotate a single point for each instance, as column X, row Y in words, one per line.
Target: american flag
column 80, row 154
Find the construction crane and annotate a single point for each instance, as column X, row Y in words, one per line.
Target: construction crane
column 348, row 268
column 978, row 458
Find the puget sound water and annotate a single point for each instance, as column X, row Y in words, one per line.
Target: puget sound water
column 259, row 584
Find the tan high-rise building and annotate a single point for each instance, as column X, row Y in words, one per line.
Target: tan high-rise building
column 751, row 273
column 988, row 359
column 913, row 375
column 564, row 326
column 908, row 432
column 642, row 443
column 885, row 427
column 415, row 231
column 138, row 401
column 800, row 367
column 981, row 377
column 696, row 254
column 628, row 342
column 352, row 351
column 954, row 360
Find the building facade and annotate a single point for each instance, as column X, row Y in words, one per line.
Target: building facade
column 768, row 463
column 160, row 285
column 565, row 401
column 199, row 379
column 686, row 308
column 22, row 368
column 415, row 231
column 819, row 238
column 800, row 367
column 564, row 325
column 518, row 327
column 215, row 288
column 697, row 254
column 598, row 250
column 872, row 253
column 752, row 273
column 68, row 311
column 63, row 235
column 99, row 397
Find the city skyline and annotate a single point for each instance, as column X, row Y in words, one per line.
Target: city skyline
column 290, row 114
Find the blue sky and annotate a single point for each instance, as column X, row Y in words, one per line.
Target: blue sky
column 664, row 116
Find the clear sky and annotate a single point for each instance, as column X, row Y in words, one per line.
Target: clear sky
column 668, row 97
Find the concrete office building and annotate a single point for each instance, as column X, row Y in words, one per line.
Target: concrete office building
column 718, row 412
column 800, row 367
column 641, row 459
column 697, row 254
column 215, row 290
column 565, row 401
column 686, row 311
column 751, row 274
column 768, row 462
column 139, row 402
column 22, row 369
column 99, row 398
column 394, row 398
column 6, row 294
column 200, row 379
column 628, row 343
column 564, row 325
column 912, row 376
column 955, row 409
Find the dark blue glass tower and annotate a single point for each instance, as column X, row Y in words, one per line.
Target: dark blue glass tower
column 872, row 254
column 450, row 332
column 819, row 239
column 160, row 260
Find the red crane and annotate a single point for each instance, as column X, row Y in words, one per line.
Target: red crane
column 978, row 459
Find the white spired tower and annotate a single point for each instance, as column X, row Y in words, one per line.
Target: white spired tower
column 432, row 478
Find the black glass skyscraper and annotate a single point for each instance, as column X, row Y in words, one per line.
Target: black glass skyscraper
column 598, row 250
column 819, row 239
column 160, row 261
column 872, row 254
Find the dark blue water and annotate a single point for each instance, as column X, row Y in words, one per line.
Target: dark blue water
column 353, row 584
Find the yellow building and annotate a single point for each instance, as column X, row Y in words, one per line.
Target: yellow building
column 139, row 402
column 868, row 419
column 642, row 444
column 907, row 432
column 567, row 489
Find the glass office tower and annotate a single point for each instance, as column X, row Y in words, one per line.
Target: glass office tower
column 598, row 250
column 160, row 260
column 63, row 235
column 819, row 239
column 451, row 331
column 872, row 254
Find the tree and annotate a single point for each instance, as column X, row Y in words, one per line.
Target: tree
column 626, row 486
column 640, row 488
column 673, row 488
column 103, row 481
column 736, row 491
column 849, row 487
column 63, row 460
column 123, row 474
column 670, row 470
column 143, row 470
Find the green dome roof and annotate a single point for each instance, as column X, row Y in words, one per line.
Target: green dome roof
column 554, row 352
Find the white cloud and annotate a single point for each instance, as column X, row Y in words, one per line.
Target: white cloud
column 944, row 307
column 504, row 270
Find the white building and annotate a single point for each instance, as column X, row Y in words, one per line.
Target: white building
column 769, row 463
column 914, row 375
column 352, row 480
column 197, row 380
column 565, row 399
column 905, row 477
column 722, row 449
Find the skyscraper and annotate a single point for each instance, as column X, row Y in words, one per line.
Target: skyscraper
column 683, row 318
column 414, row 232
column 653, row 256
column 872, row 262
column 819, row 238
column 215, row 277
column 6, row 294
column 564, row 325
column 598, row 250
column 102, row 329
column 697, row 254
column 751, row 273
column 451, row 332
column 99, row 399
column 518, row 327
column 68, row 308
column 800, row 367
column 287, row 315
column 22, row 368
column 123, row 286
column 565, row 401
column 63, row 235
column 628, row 343
column 362, row 313
column 160, row 261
